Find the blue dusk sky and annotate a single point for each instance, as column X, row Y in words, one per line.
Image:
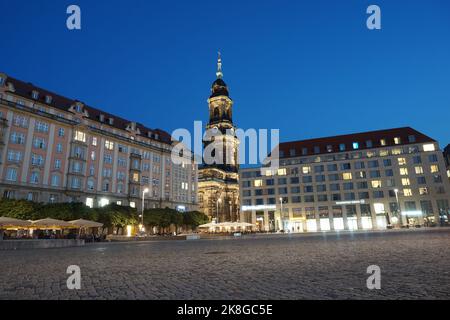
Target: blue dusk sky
column 310, row 68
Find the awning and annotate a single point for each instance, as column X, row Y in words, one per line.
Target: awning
column 49, row 223
column 6, row 222
column 81, row 223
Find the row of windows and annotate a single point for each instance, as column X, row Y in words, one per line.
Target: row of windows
column 350, row 196
column 418, row 170
column 343, row 147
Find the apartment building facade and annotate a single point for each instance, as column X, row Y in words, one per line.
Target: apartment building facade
column 370, row 180
column 56, row 149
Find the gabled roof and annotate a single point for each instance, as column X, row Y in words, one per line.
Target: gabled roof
column 332, row 144
column 25, row 90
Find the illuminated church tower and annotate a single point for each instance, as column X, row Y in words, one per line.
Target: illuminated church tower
column 218, row 185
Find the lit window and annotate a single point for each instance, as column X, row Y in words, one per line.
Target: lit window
column 90, row 202
column 347, row 176
column 80, row 136
column 282, row 172
column 132, row 204
column 405, row 182
column 268, row 173
column 136, row 177
column 397, row 140
column 396, row 151
column 306, row 170
column 35, row 95
column 403, row 171
column 428, row 147
column 103, row 202
column 342, row 147
column 434, row 168
column 376, row 183
column 258, row 183
column 109, row 145
column 383, row 142
column 423, row 191
column 94, row 141
column 355, row 145
column 407, row 192
column 401, row 161
column 418, row 169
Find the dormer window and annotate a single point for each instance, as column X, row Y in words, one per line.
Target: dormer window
column 78, row 108
column 111, row 121
column 397, row 140
column 329, row 148
column 102, row 117
column 342, row 147
column 412, row 138
column 48, row 99
column 156, row 136
column 316, row 149
column 355, row 145
column 35, row 95
column 1, row 81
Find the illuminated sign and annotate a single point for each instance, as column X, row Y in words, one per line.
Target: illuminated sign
column 351, row 202
column 259, row 207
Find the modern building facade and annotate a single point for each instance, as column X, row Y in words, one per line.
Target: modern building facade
column 447, row 159
column 55, row 149
column 370, row 180
column 218, row 187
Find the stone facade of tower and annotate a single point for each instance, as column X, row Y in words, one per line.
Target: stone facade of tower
column 218, row 185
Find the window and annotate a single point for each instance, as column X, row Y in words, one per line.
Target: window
column 434, row 168
column 135, row 177
column 389, row 172
column 359, row 165
column 387, row 162
column 345, row 166
column 107, row 172
column 401, row 161
column 369, row 144
column 423, row 191
column 421, row 180
column 329, row 148
column 37, row 160
column 347, row 176
column 105, row 186
column 332, row 167
column 307, row 179
column 39, row 143
column 355, row 145
column 308, row 189
column 94, row 141
column 383, row 142
column 316, row 149
column 41, row 126
column 397, row 140
column 411, row 138
column 281, row 172
column 34, row 178
column 1, row 81
column 306, row 170
column 107, row 158
column 90, row 184
column 79, row 136
column 342, row 147
column 21, row 121
column 59, row 148
column 373, row 164
column 304, row 151
column 428, row 147
column 295, row 180
column 258, row 183
column 378, row 194
column 17, row 138
column 61, row 132
column 375, row 174
column 55, row 180
column 407, row 192
column 57, row 164
column 417, row 159
column 418, row 170
column 11, row 174
column 376, row 183
column 432, row 158
column 403, row 171
column 109, row 145
column 320, row 178
column 405, row 182
column 14, row 156
column 348, row 186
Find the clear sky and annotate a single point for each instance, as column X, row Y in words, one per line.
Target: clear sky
column 310, row 68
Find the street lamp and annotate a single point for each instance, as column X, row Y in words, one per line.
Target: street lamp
column 143, row 205
column 398, row 206
column 281, row 214
column 217, row 209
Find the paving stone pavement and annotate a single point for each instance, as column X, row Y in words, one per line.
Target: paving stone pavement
column 414, row 265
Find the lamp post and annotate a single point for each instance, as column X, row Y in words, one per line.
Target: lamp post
column 281, row 214
column 217, row 209
column 143, row 205
column 398, row 207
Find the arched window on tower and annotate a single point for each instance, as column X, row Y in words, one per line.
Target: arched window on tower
column 216, row 113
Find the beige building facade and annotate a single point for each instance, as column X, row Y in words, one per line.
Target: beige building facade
column 56, row 149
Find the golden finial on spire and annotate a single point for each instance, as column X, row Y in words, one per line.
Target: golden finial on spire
column 219, row 73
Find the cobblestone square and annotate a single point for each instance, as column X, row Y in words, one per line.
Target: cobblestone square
column 414, row 264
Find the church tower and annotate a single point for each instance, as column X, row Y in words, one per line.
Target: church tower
column 218, row 185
